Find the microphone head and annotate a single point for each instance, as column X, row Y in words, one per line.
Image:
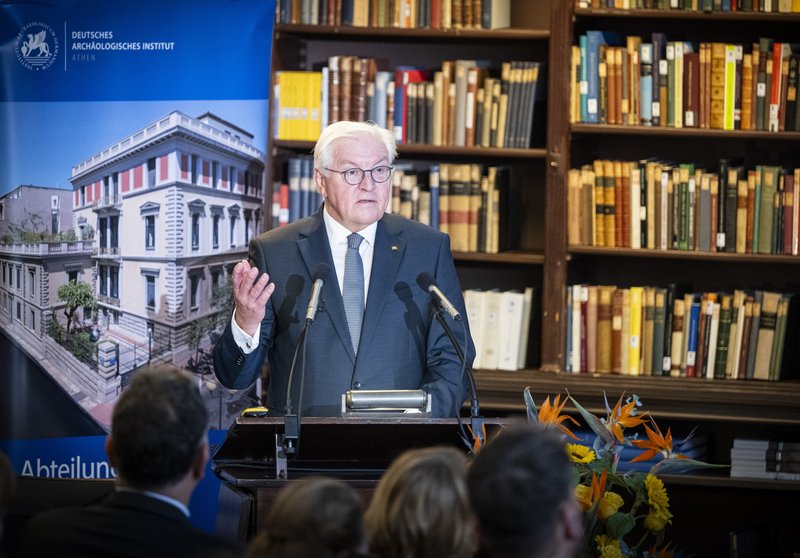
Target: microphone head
column 321, row 271
column 425, row 281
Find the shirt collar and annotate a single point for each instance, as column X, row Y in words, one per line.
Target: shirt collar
column 338, row 233
column 158, row 496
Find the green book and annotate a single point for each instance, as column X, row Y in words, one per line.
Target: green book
column 757, row 208
column 659, row 321
column 778, row 344
column 769, row 187
column 725, row 315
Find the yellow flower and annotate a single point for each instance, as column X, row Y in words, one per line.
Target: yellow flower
column 580, row 454
column 608, row 547
column 609, row 505
column 656, row 493
column 583, row 494
column 657, row 519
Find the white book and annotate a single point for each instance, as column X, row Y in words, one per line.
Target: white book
column 382, row 79
column 576, row 327
column 475, row 302
column 525, row 332
column 491, row 329
column 713, row 333
column 511, row 313
column 324, row 115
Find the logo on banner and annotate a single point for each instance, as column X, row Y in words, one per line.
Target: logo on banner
column 36, row 46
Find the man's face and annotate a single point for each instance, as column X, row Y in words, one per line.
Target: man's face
column 355, row 207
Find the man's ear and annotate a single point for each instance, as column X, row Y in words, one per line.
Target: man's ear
column 200, row 461
column 319, row 180
column 112, row 456
column 571, row 517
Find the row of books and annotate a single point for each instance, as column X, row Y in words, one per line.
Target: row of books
column 768, row 6
column 765, row 459
column 471, row 204
column 504, row 326
column 460, row 104
column 405, row 14
column 657, row 205
column 672, row 331
column 682, row 84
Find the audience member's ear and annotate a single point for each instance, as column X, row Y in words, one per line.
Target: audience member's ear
column 571, row 519
column 200, row 460
column 109, row 447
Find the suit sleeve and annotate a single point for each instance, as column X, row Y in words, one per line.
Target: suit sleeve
column 443, row 377
column 233, row 368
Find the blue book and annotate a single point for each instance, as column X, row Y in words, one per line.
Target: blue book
column 691, row 340
column 307, row 186
column 434, row 189
column 583, row 85
column 593, row 41
column 295, row 201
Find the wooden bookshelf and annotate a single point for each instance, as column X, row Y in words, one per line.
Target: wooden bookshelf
column 685, row 15
column 608, row 129
column 757, row 259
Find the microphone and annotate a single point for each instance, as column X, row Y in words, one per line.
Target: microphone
column 427, row 283
column 320, row 273
column 291, row 420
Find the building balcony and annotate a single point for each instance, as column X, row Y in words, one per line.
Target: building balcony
column 48, row 248
column 106, row 252
column 107, row 203
column 109, row 300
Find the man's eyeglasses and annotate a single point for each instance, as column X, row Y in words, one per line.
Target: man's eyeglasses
column 355, row 176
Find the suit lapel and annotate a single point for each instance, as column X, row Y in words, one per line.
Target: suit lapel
column 314, row 248
column 386, row 258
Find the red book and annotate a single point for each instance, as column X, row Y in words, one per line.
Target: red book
column 283, row 213
column 775, row 90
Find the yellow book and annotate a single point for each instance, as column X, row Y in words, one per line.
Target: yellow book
column 634, row 345
column 730, row 87
column 717, row 107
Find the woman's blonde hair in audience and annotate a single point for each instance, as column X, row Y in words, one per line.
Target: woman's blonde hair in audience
column 421, row 509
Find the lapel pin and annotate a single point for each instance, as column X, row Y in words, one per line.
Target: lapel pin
column 394, row 248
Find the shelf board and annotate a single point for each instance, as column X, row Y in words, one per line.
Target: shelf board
column 695, row 399
column 686, row 14
column 398, row 34
column 418, row 149
column 609, row 129
column 682, row 255
column 512, row 257
column 721, row 478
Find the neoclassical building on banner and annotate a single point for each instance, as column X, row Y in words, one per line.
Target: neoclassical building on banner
column 173, row 207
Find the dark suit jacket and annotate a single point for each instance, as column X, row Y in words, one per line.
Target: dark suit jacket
column 401, row 346
column 125, row 524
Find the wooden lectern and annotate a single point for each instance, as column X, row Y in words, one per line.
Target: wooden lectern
column 358, row 450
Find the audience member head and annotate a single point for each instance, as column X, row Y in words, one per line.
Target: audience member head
column 158, row 433
column 420, row 508
column 315, row 516
column 7, row 483
column 522, row 490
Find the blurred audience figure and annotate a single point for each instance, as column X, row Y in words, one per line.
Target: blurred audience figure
column 522, row 490
column 159, row 448
column 7, row 483
column 420, row 508
column 314, row 517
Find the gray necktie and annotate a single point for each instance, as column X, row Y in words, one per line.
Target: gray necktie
column 353, row 289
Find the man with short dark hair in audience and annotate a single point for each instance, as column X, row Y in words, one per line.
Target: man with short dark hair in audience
column 522, row 491
column 159, row 447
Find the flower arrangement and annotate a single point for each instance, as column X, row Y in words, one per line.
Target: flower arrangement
column 626, row 514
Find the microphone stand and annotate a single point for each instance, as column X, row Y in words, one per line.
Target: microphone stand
column 291, row 421
column 477, row 422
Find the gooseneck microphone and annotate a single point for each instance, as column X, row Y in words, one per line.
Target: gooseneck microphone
column 320, row 273
column 291, row 420
column 427, row 283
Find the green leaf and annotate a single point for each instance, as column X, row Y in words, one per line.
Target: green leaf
column 619, row 525
column 675, row 465
column 594, row 423
column 533, row 413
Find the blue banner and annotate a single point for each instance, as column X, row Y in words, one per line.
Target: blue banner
column 96, row 50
